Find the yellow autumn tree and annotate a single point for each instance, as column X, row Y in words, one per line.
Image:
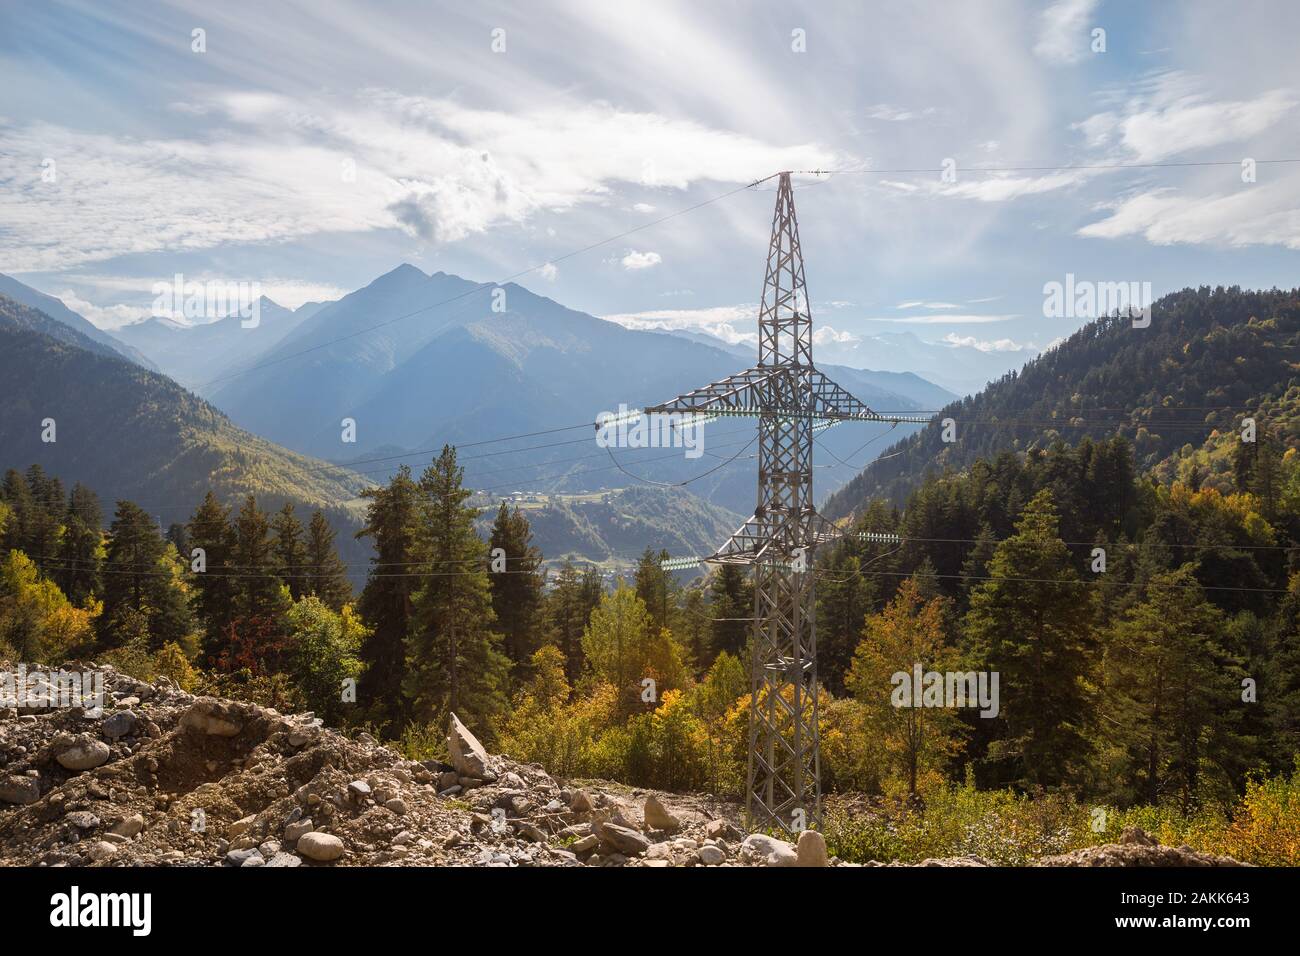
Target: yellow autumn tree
column 908, row 632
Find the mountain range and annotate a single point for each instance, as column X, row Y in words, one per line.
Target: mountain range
column 417, row 360
column 86, row 414
column 191, row 353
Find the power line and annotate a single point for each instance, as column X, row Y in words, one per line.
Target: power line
column 692, row 208
column 1064, row 167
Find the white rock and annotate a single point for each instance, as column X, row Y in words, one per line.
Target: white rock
column 467, row 754
column 83, row 754
column 768, row 850
column 322, row 847
column 129, row 826
column 101, row 851
column 710, row 855
column 209, row 717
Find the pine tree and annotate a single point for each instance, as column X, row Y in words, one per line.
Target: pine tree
column 844, row 597
column 290, row 553
column 328, row 575
column 80, row 549
column 1169, row 692
column 567, row 609
column 733, row 609
column 41, row 530
column 1279, row 688
column 386, row 600
column 214, row 590
column 695, row 627
column 18, row 496
column 1032, row 622
column 1266, row 481
column 517, row 587
column 143, row 574
column 254, row 569
column 453, row 657
column 655, row 586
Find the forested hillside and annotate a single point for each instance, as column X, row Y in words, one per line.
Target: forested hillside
column 131, row 433
column 1208, row 358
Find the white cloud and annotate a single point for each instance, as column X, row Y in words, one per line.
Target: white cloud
column 643, row 207
column 896, row 114
column 918, row 304
column 1172, row 119
column 105, row 317
column 640, row 260
column 988, row 187
column 1254, row 215
column 434, row 168
column 827, row 335
column 987, row 345
column 943, row 319
column 549, row 272
column 290, row 293
column 1063, row 35
column 731, row 323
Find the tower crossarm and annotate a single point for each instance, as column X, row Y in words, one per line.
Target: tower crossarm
column 744, row 393
column 782, row 391
column 832, row 402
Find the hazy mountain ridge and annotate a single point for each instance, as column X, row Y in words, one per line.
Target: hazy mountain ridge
column 196, row 354
column 442, row 366
column 56, row 310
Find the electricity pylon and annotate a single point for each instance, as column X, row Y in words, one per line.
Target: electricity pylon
column 791, row 399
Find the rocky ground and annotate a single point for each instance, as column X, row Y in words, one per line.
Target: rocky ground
column 160, row 777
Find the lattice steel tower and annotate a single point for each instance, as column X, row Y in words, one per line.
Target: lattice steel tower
column 791, row 400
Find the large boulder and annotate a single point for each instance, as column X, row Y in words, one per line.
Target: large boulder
column 768, row 850
column 120, row 724
column 321, row 847
column 82, row 752
column 811, row 850
column 467, row 754
column 619, row 839
column 657, row 816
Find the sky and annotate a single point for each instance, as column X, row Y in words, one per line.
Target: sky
column 310, row 147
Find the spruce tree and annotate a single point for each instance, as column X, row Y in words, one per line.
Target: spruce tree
column 386, row 600
column 453, row 657
column 655, row 586
column 142, row 574
column 516, row 587
column 1032, row 623
column 328, row 575
column 844, row 598
column 254, row 570
column 1171, row 692
column 214, row 590
column 80, row 547
column 290, row 553
column 732, row 596
column 566, row 614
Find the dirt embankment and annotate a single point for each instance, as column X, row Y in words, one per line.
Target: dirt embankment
column 159, row 777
